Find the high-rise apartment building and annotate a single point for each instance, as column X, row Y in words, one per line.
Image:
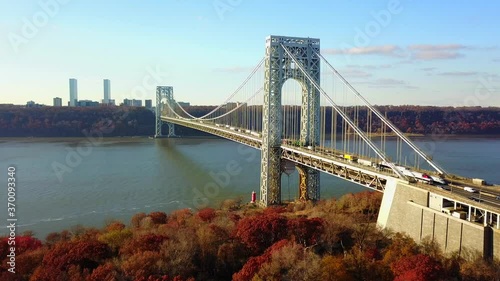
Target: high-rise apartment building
column 73, row 92
column 136, row 102
column 107, row 91
column 57, row 101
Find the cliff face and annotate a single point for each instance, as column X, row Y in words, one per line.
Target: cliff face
column 137, row 121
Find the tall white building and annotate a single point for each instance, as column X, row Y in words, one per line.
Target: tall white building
column 107, row 91
column 73, row 92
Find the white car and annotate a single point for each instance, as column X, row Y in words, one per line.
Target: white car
column 470, row 189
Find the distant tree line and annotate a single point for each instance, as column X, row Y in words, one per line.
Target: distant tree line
column 18, row 121
column 75, row 121
column 408, row 118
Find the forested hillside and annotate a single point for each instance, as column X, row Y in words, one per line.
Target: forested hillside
column 330, row 240
column 49, row 121
column 75, row 121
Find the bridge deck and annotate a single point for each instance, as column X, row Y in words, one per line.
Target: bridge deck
column 325, row 160
column 367, row 176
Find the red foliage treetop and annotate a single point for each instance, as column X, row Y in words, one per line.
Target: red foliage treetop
column 253, row 265
column 87, row 254
column 22, row 244
column 206, row 214
column 158, row 217
column 261, row 231
column 418, row 267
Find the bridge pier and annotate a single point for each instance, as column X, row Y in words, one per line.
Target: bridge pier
column 308, row 183
column 270, row 191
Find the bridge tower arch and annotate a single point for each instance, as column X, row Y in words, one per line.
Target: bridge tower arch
column 164, row 94
column 278, row 68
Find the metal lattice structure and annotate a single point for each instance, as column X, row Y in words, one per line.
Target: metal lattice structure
column 279, row 67
column 318, row 127
column 163, row 94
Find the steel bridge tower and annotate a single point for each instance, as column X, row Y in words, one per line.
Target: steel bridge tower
column 278, row 68
column 164, row 94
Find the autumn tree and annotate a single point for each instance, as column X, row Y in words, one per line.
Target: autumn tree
column 418, row 267
column 106, row 272
column 206, row 214
column 401, row 246
column 142, row 243
column 27, row 262
column 261, row 231
column 305, row 231
column 333, row 268
column 87, row 254
column 144, row 263
column 136, row 219
column 158, row 217
column 231, row 256
column 253, row 265
column 116, row 238
column 72, row 260
column 291, row 262
column 474, row 267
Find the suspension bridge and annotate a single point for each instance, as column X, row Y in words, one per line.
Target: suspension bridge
column 303, row 114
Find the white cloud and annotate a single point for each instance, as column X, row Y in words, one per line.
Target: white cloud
column 355, row 73
column 386, row 50
column 459, row 73
column 388, row 83
column 436, row 52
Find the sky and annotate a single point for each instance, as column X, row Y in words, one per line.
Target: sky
column 444, row 53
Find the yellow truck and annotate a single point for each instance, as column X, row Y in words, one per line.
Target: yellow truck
column 350, row 157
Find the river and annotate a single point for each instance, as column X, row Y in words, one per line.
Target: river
column 64, row 182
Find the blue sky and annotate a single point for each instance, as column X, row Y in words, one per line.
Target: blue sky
column 393, row 52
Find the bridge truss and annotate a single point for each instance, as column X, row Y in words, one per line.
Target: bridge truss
column 318, row 121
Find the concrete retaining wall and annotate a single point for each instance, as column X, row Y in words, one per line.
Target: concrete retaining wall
column 405, row 209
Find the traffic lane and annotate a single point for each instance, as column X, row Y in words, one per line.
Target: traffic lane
column 485, row 199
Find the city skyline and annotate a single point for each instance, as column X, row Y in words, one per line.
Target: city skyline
column 392, row 52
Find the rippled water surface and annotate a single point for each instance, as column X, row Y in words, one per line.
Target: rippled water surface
column 118, row 177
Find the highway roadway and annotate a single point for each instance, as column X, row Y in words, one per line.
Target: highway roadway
column 457, row 192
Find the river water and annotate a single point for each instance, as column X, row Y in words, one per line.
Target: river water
column 61, row 183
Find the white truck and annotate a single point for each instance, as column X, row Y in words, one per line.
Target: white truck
column 365, row 162
column 459, row 214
